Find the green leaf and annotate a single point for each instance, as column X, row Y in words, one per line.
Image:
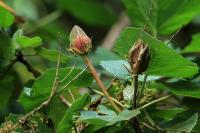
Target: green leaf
column 52, row 55
column 166, row 114
column 6, row 91
column 117, row 68
column 120, row 69
column 87, row 11
column 41, row 88
column 164, row 60
column 56, row 105
column 7, row 51
column 179, row 126
column 194, row 45
column 66, row 123
column 26, row 42
column 167, row 16
column 182, row 88
column 107, row 119
column 7, row 18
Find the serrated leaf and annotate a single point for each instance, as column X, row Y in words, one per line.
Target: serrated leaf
column 66, row 123
column 6, row 18
column 164, row 60
column 41, row 88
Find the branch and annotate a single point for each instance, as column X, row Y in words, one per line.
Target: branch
column 23, row 60
column 99, row 82
column 45, row 103
column 115, row 100
column 155, row 101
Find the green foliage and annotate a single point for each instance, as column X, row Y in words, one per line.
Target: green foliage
column 7, row 18
column 26, row 42
column 166, row 17
column 41, row 88
column 67, row 123
column 7, row 51
column 52, row 55
column 179, row 126
column 194, row 45
column 164, row 98
column 108, row 118
column 164, row 61
column 90, row 10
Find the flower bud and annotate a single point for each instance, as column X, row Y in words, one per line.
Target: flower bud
column 139, row 57
column 80, row 43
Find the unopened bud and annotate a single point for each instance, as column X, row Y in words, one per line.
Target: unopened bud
column 139, row 57
column 80, row 43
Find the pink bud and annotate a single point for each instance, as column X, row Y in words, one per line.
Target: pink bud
column 80, row 43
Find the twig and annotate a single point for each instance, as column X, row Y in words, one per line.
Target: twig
column 115, row 100
column 64, row 101
column 22, row 59
column 5, row 6
column 172, row 37
column 155, row 101
column 150, row 120
column 71, row 94
column 71, row 70
column 148, row 126
column 19, row 19
column 149, row 15
column 45, row 103
column 114, row 32
column 99, row 82
column 72, row 80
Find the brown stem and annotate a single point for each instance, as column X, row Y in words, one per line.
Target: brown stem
column 99, row 82
column 135, row 91
column 23, row 60
column 135, row 121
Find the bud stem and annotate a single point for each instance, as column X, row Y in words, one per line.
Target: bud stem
column 99, row 82
column 135, row 78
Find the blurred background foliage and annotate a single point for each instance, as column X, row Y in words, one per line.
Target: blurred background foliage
column 47, row 23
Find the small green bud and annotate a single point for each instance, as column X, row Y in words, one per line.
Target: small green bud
column 80, row 43
column 139, row 57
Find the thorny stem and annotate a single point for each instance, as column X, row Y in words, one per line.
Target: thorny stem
column 99, row 82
